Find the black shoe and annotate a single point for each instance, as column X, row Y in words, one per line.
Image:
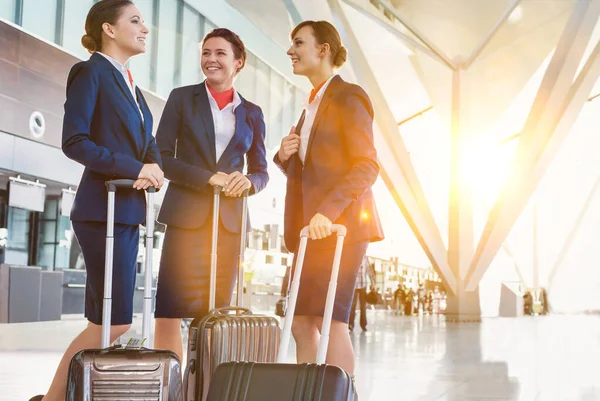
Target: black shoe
column 36, row 398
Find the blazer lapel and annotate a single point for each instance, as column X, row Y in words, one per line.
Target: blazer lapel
column 126, row 91
column 241, row 129
column 327, row 96
column 145, row 110
column 203, row 111
column 295, row 158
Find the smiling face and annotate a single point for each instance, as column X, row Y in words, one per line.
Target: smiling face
column 129, row 32
column 218, row 61
column 306, row 54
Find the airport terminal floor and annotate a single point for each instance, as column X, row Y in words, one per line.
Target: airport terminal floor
column 416, row 358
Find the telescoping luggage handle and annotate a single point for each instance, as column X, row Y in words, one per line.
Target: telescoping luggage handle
column 112, row 187
column 213, row 253
column 340, row 230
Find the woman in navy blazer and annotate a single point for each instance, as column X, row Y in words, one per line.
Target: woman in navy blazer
column 107, row 127
column 206, row 134
column 330, row 163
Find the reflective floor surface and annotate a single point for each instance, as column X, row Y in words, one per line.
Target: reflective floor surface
column 550, row 358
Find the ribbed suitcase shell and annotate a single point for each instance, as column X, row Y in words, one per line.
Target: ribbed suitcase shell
column 247, row 381
column 124, row 374
column 236, row 381
column 219, row 338
column 117, row 373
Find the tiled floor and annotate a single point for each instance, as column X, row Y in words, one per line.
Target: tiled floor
column 553, row 358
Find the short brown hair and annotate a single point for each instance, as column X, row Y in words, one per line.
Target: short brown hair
column 324, row 32
column 101, row 12
column 239, row 50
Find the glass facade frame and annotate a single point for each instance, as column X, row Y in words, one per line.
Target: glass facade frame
column 172, row 59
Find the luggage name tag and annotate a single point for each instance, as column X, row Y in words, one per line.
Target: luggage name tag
column 135, row 343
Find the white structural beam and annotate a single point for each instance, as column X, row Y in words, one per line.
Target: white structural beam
column 506, row 249
column 395, row 182
column 292, row 11
column 536, row 248
column 571, row 236
column 438, row 52
column 486, row 40
column 406, row 183
column 460, row 208
column 407, row 40
column 557, row 104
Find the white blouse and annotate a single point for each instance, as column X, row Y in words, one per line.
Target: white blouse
column 224, row 121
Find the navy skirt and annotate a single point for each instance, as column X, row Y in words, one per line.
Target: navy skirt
column 316, row 274
column 92, row 240
column 184, row 275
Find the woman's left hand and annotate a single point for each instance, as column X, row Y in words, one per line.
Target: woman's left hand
column 236, row 183
column 319, row 227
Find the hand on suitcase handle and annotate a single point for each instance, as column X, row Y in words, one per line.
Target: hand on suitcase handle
column 335, row 228
column 217, row 189
column 112, row 185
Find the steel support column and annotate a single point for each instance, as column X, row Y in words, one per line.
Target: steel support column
column 460, row 212
column 536, row 248
column 556, row 96
column 463, row 305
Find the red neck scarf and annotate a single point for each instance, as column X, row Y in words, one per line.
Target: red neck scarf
column 314, row 92
column 223, row 98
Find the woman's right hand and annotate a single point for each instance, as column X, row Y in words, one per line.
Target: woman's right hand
column 219, row 179
column 289, row 145
column 152, row 173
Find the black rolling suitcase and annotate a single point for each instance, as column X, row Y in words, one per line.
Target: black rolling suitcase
column 226, row 334
column 248, row 381
column 119, row 373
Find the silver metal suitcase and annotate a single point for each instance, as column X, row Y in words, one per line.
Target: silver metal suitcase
column 119, row 373
column 230, row 333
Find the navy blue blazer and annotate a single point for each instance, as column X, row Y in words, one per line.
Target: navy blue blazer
column 186, row 139
column 103, row 130
column 339, row 169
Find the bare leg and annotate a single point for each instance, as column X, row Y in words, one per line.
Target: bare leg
column 339, row 351
column 306, row 333
column 167, row 335
column 91, row 337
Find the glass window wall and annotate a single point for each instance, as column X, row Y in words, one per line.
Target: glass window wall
column 7, row 9
column 166, row 68
column 263, row 90
column 74, row 27
column 288, row 108
column 39, row 17
column 17, row 244
column 54, row 237
column 276, row 112
column 245, row 83
column 192, row 33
